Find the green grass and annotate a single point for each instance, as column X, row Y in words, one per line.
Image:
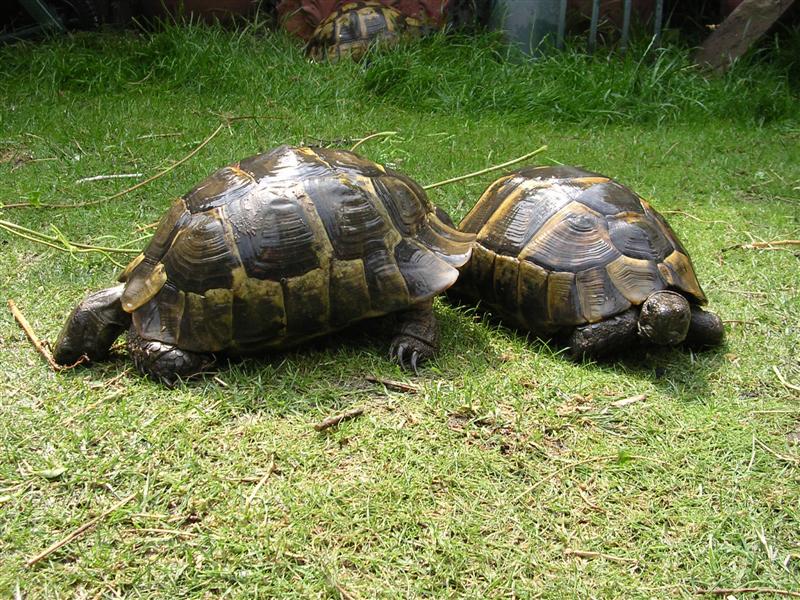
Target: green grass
column 476, row 485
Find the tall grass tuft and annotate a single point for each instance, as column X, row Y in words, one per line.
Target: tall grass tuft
column 442, row 73
column 478, row 74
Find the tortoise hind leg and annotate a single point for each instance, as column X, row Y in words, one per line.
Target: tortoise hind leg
column 416, row 337
column 92, row 327
column 705, row 329
column 164, row 362
column 605, row 337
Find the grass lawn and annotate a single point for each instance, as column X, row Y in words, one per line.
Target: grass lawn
column 509, row 457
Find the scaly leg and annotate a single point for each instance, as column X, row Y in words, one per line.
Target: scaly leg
column 605, row 337
column 164, row 362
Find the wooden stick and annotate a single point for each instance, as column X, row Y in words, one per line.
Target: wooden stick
column 104, row 177
column 369, row 137
column 569, row 467
column 627, row 401
column 336, row 419
column 486, row 170
column 34, row 339
column 393, row 385
column 763, row 245
column 746, row 590
column 159, row 530
column 260, row 483
column 783, row 381
column 88, row 525
column 160, row 174
column 589, row 554
column 203, row 144
column 53, row 241
column 789, row 459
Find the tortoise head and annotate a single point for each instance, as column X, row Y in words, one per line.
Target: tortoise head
column 92, row 327
column 664, row 318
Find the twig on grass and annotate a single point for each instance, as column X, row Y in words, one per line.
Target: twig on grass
column 590, row 554
column 771, row 245
column 260, row 484
column 398, row 386
column 746, row 590
column 486, row 170
column 372, row 136
column 334, row 420
column 783, row 457
column 34, row 339
column 627, row 401
column 160, row 530
column 88, row 525
column 226, row 123
column 783, row 381
column 104, row 177
column 586, row 461
column 91, row 407
column 59, row 242
column 150, row 136
column 158, row 175
column 682, row 212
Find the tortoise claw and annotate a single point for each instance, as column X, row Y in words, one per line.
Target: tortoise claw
column 414, row 357
column 401, row 350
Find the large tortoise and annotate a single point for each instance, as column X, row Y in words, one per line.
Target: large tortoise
column 272, row 251
column 353, row 27
column 571, row 254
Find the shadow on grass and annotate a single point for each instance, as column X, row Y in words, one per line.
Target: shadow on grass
column 678, row 371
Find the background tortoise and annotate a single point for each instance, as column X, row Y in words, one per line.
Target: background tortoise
column 350, row 29
column 269, row 252
column 565, row 252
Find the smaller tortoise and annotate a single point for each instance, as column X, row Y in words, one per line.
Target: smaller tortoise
column 353, row 27
column 571, row 254
column 269, row 252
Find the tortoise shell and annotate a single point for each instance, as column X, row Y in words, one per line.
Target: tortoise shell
column 559, row 246
column 350, row 29
column 285, row 246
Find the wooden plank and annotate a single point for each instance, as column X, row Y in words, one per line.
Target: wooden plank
column 743, row 27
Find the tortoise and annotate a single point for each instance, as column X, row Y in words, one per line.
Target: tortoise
column 269, row 252
column 354, row 26
column 571, row 254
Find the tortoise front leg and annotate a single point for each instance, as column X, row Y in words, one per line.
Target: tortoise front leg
column 416, row 336
column 605, row 337
column 164, row 362
column 705, row 329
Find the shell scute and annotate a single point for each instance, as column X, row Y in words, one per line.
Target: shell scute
column 202, row 256
column 352, row 222
column 573, row 239
column 639, row 237
column 273, row 236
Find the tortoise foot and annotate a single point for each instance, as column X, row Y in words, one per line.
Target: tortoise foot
column 417, row 337
column 92, row 327
column 164, row 362
column 705, row 329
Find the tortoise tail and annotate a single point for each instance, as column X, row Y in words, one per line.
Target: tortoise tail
column 92, row 327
